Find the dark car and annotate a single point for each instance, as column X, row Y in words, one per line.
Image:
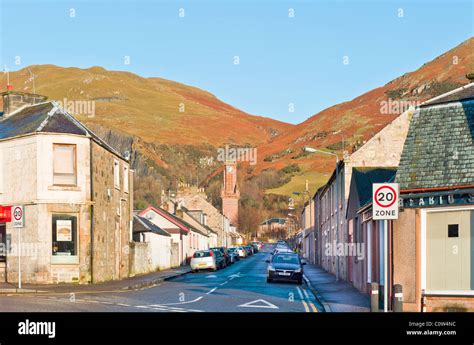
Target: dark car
column 234, row 254
column 249, row 250
column 285, row 266
column 225, row 254
column 220, row 259
column 254, row 246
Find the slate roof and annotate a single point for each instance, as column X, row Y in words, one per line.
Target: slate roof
column 46, row 117
column 361, row 186
column 141, row 224
column 439, row 148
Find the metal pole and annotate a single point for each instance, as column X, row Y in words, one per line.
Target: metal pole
column 19, row 258
column 385, row 270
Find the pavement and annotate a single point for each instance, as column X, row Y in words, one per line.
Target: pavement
column 133, row 283
column 335, row 296
column 241, row 287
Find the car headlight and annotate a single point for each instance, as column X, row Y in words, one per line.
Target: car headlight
column 298, row 270
column 271, row 268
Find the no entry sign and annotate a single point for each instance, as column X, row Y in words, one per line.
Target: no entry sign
column 385, row 197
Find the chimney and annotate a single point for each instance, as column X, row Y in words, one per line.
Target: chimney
column 13, row 101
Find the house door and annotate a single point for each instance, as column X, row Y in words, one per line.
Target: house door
column 3, row 253
column 3, row 242
column 449, row 260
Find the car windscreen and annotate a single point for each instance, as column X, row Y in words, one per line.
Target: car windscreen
column 203, row 254
column 286, row 259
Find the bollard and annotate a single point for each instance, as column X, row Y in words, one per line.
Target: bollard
column 374, row 297
column 397, row 298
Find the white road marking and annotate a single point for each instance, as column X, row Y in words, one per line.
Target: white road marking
column 211, row 276
column 224, row 283
column 211, row 291
column 263, row 304
column 187, row 302
column 306, row 302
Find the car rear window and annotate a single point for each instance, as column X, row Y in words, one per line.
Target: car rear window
column 203, row 254
column 286, row 259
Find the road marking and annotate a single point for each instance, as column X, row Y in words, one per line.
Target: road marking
column 211, row 291
column 236, row 275
column 211, row 276
column 306, row 308
column 224, row 283
column 179, row 303
column 306, row 301
column 123, row 304
column 263, row 304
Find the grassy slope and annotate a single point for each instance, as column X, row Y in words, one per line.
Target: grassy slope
column 149, row 107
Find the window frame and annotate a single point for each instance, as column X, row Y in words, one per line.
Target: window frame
column 74, row 146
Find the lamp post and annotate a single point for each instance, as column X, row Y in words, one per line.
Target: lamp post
column 310, row 149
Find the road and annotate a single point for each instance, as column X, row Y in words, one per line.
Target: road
column 241, row 287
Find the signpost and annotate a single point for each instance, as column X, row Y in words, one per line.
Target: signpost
column 18, row 222
column 385, row 198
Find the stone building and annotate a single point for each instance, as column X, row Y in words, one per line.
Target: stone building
column 382, row 150
column 230, row 193
column 76, row 192
column 433, row 238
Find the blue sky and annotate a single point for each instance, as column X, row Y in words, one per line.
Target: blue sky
column 283, row 60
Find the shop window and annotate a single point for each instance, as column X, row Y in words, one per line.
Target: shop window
column 64, row 165
column 64, row 235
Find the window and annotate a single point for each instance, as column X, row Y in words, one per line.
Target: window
column 64, row 165
column 125, row 179
column 116, row 174
column 64, row 235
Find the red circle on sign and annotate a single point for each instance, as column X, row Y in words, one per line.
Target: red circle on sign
column 17, row 215
column 394, row 196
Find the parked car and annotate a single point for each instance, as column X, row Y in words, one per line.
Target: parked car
column 221, row 262
column 254, row 245
column 249, row 250
column 225, row 254
column 241, row 252
column 205, row 259
column 285, row 266
column 234, row 253
column 282, row 249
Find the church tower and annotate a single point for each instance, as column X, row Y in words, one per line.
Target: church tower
column 230, row 193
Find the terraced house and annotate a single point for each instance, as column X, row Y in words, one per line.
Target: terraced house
column 76, row 192
column 433, row 239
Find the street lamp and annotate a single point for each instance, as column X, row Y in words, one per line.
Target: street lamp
column 310, row 149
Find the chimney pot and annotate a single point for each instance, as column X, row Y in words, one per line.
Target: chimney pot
column 9, row 87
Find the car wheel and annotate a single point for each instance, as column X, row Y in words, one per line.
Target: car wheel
column 269, row 280
column 300, row 281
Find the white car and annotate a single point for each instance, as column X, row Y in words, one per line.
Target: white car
column 204, row 260
column 241, row 251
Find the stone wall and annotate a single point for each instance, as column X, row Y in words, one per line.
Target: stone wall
column 112, row 212
column 140, row 258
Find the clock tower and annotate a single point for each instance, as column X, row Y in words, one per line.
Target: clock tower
column 230, row 193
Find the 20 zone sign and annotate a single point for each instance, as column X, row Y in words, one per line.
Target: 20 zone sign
column 385, row 196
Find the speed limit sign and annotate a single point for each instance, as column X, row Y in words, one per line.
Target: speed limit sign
column 385, row 197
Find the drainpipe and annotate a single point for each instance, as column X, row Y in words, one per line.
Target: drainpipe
column 92, row 209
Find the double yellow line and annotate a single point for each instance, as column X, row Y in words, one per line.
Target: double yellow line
column 307, row 304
